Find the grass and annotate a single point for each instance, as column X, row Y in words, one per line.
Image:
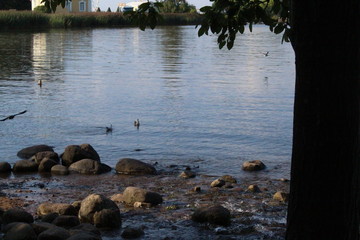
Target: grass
column 28, row 19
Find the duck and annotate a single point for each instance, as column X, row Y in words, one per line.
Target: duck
column 39, row 82
column 109, row 129
column 137, row 123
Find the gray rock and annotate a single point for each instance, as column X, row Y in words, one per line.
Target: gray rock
column 132, row 232
column 55, row 233
column 5, row 167
column 134, row 194
column 19, row 231
column 95, row 203
column 66, row 221
column 28, row 152
column 134, row 167
column 255, row 165
column 46, row 164
column 25, row 166
column 89, row 166
column 59, row 170
column 47, row 154
column 60, row 208
column 253, row 188
column 74, row 153
column 16, row 215
column 214, row 214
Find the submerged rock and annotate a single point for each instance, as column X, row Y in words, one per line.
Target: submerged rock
column 132, row 232
column 28, row 152
column 54, row 233
column 281, row 196
column 255, row 165
column 59, row 170
column 214, row 214
column 134, row 167
column 217, row 183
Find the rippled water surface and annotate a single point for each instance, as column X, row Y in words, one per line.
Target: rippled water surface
column 197, row 105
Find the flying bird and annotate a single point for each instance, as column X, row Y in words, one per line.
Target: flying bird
column 12, row 116
column 266, row 54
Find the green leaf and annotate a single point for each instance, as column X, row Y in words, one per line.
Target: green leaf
column 250, row 26
column 205, row 9
column 230, row 44
column 241, row 29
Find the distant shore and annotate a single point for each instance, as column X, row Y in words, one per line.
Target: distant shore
column 10, row 20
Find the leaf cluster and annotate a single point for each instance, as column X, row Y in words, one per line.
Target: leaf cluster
column 146, row 15
column 52, row 4
column 227, row 18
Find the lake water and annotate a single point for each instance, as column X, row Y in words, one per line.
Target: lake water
column 198, row 105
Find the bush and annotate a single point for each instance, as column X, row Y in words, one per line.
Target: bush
column 42, row 9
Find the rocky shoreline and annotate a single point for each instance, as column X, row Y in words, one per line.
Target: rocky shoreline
column 256, row 207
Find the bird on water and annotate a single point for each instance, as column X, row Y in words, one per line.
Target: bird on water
column 109, row 129
column 40, row 83
column 12, row 116
column 137, row 123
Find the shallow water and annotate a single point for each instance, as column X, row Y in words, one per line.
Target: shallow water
column 198, row 105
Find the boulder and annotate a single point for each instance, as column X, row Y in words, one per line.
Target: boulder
column 49, row 218
column 74, row 153
column 281, row 196
column 132, row 232
column 40, row 227
column 255, row 165
column 46, row 164
column 91, row 211
column 5, row 167
column 19, row 231
column 85, row 227
column 28, row 152
column 59, row 170
column 253, row 188
column 47, row 154
column 89, row 166
column 84, row 236
column 60, row 208
column 107, row 219
column 217, row 183
column 134, row 167
column 134, row 194
column 55, row 233
column 25, row 166
column 229, row 179
column 16, row 215
column 213, row 214
column 66, row 221
column 187, row 174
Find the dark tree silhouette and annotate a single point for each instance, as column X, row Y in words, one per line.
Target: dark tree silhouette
column 15, row 4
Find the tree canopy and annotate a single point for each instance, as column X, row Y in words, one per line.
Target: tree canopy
column 15, row 4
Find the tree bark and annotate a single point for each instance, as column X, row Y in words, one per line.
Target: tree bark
column 325, row 172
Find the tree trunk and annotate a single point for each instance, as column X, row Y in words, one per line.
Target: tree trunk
column 325, row 172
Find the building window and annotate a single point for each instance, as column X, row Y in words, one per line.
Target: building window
column 82, row 6
column 68, row 6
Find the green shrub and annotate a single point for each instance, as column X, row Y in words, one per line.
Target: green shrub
column 42, row 9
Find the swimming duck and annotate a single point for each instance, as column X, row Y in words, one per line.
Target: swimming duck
column 39, row 83
column 137, row 123
column 109, row 129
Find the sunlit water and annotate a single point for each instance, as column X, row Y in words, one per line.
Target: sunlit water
column 198, row 105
